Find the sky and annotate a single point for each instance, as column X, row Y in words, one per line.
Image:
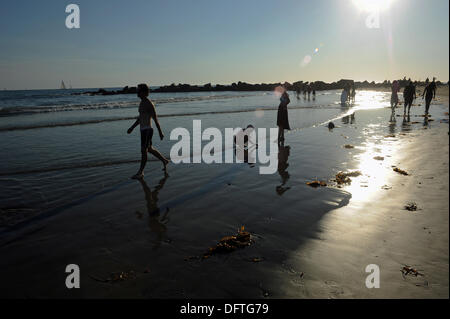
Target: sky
column 210, row 41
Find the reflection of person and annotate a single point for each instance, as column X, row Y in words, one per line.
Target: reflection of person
column 156, row 224
column 283, row 155
column 147, row 112
column 429, row 93
column 282, row 116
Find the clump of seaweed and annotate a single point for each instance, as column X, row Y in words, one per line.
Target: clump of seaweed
column 348, row 146
column 316, row 183
column 230, row 243
column 344, row 177
column 379, row 158
column 400, row 171
column 411, row 206
column 408, row 270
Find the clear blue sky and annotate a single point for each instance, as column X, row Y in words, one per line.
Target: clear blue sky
column 200, row 41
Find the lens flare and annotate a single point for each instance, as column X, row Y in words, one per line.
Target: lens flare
column 306, row 60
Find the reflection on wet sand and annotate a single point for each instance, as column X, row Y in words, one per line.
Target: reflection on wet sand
column 283, row 155
column 156, row 223
column 392, row 124
column 406, row 124
column 348, row 119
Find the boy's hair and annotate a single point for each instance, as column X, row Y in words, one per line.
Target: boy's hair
column 143, row 88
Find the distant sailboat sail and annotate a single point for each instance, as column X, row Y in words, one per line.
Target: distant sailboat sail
column 63, row 86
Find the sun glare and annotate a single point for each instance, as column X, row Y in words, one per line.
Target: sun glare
column 372, row 5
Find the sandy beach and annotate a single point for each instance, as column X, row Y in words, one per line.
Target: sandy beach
column 306, row 242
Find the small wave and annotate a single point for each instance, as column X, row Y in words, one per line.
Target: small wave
column 62, row 124
column 20, row 110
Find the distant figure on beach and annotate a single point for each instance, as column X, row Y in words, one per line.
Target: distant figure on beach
column 409, row 94
column 394, row 95
column 344, row 96
column 147, row 112
column 353, row 94
column 250, row 145
column 298, row 93
column 429, row 93
column 331, row 126
column 282, row 116
column 314, row 94
column 309, row 91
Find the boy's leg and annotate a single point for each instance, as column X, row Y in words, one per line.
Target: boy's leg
column 140, row 174
column 158, row 155
column 427, row 105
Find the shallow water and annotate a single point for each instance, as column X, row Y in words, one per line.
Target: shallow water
column 52, row 156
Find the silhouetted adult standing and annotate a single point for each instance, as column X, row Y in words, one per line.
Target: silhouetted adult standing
column 282, row 116
column 429, row 93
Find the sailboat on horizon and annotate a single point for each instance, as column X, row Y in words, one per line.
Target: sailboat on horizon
column 63, row 86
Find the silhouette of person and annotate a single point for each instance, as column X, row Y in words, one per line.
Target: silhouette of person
column 147, row 112
column 409, row 94
column 283, row 155
column 242, row 151
column 429, row 93
column 394, row 95
column 156, row 223
column 282, row 115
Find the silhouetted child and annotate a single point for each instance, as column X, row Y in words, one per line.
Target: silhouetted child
column 147, row 112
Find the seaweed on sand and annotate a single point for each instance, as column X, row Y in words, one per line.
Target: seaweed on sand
column 230, row 243
column 344, row 177
column 400, row 171
column 408, row 270
column 316, row 183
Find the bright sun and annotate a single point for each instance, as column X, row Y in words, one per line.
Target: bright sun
column 372, row 5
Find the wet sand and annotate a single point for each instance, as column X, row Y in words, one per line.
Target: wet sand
column 309, row 243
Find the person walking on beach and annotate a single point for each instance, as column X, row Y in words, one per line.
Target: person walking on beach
column 409, row 94
column 147, row 112
column 394, row 95
column 282, row 116
column 353, row 93
column 429, row 93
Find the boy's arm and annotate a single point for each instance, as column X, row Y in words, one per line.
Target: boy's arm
column 133, row 126
column 155, row 119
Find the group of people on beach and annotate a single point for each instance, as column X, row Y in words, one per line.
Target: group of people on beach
column 147, row 112
column 409, row 95
column 307, row 89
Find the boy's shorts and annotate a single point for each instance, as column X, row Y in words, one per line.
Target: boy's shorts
column 146, row 138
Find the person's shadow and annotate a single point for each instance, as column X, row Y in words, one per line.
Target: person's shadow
column 156, row 223
column 283, row 156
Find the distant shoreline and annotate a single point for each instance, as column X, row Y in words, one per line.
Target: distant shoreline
column 247, row 87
